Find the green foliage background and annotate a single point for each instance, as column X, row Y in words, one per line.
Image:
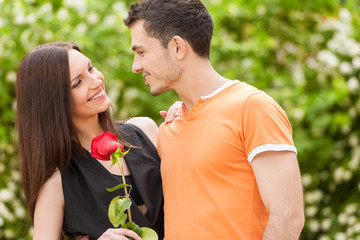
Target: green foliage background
column 305, row 54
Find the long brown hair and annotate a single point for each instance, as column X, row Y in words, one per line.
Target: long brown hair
column 47, row 135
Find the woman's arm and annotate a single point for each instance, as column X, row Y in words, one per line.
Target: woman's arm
column 49, row 210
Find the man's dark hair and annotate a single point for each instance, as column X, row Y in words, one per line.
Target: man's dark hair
column 164, row 19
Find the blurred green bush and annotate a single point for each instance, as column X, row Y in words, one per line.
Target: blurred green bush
column 305, row 54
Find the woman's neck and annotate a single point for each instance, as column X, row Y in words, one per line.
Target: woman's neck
column 86, row 131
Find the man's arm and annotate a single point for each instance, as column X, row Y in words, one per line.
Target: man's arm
column 278, row 178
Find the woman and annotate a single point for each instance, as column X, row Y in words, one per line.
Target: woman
column 61, row 106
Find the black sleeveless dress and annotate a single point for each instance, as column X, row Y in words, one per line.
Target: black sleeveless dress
column 85, row 181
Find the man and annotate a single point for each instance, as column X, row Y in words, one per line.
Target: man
column 229, row 164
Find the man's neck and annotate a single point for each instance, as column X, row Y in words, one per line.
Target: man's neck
column 199, row 79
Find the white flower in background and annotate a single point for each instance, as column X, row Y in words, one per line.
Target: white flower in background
column 261, row 10
column 355, row 159
column 316, row 39
column 233, row 9
column 297, row 72
column 314, row 225
column 6, row 195
column 20, row 212
column 306, row 179
column 19, row 18
column 340, row 236
column 120, row 8
column 312, row 63
column 356, row 62
column 131, row 93
column 247, row 63
column 314, row 196
column 110, row 20
column 9, row 234
column 353, row 48
column 81, row 28
column 353, row 84
column 4, row 212
column 342, row 218
column 291, row 48
column 328, row 58
column 341, row 174
column 93, row 18
column 45, row 9
column 351, row 220
column 345, row 68
column 63, row 13
column 298, row 114
column 351, row 208
column 345, row 15
column 326, row 211
column 357, row 227
column 353, row 140
column 326, row 224
column 311, row 211
column 80, row 5
column 15, row 175
column 48, row 35
column 352, row 112
column 330, row 24
column 11, row 77
column 1, row 222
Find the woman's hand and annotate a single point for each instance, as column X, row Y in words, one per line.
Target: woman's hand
column 174, row 111
column 118, row 234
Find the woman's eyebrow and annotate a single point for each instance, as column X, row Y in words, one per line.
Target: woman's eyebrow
column 89, row 64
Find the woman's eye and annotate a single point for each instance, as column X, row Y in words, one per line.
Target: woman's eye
column 91, row 68
column 76, row 84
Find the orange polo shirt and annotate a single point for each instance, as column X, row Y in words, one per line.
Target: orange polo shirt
column 209, row 187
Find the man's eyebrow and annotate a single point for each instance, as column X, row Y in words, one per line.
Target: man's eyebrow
column 89, row 64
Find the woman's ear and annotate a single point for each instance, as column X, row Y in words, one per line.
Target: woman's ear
column 178, row 47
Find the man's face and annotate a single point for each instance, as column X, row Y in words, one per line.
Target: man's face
column 153, row 61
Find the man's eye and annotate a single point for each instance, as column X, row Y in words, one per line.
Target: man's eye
column 76, row 84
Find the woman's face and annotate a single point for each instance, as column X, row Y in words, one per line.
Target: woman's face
column 87, row 88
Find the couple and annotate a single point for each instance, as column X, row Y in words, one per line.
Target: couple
column 228, row 162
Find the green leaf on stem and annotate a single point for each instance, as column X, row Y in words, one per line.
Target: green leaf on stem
column 118, row 187
column 148, row 234
column 112, row 213
column 116, row 211
column 134, row 227
column 126, row 203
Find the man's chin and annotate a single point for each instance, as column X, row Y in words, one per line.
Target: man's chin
column 157, row 92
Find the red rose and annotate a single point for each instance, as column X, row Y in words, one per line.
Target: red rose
column 104, row 145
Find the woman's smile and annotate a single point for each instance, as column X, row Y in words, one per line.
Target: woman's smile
column 98, row 96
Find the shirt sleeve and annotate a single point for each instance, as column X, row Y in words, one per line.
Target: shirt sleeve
column 265, row 126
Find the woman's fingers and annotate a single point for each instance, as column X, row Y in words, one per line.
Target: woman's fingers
column 118, row 234
column 174, row 111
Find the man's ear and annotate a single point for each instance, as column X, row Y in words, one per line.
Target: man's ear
column 178, row 47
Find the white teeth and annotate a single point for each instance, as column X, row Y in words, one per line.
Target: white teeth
column 100, row 94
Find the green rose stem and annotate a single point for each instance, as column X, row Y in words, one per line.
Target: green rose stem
column 117, row 158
